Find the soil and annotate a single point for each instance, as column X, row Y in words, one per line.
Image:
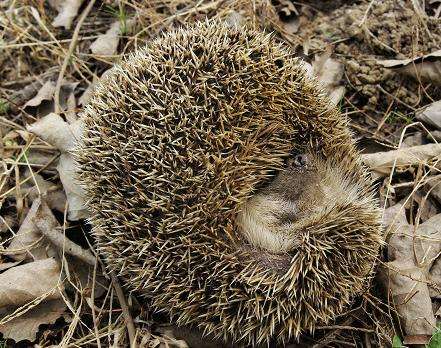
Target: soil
column 361, row 34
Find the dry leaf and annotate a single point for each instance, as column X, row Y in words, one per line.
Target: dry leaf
column 53, row 129
column 328, row 72
column 25, row 283
column 235, row 20
column 88, row 92
column 46, row 92
column 54, row 197
column 48, row 225
column 413, row 251
column 20, row 286
column 427, row 67
column 6, row 223
column 107, row 44
column 25, row 327
column 6, row 265
column 67, row 11
column 74, row 192
column 431, row 114
column 27, row 244
column 382, row 162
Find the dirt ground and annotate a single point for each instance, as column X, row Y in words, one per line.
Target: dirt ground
column 380, row 63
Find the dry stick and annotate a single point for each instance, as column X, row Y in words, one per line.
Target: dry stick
column 72, row 46
column 95, row 321
column 47, row 225
column 125, row 309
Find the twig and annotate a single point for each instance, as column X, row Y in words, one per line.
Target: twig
column 95, row 321
column 343, row 327
column 125, row 309
column 72, row 46
column 47, row 225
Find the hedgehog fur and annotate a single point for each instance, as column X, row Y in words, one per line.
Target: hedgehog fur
column 183, row 137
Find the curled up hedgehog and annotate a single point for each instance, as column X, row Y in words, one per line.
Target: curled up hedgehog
column 225, row 189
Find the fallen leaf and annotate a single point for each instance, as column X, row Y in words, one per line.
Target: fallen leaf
column 88, row 92
column 25, row 327
column 48, row 225
column 74, row 192
column 6, row 265
column 25, row 283
column 53, row 129
column 431, row 114
column 412, row 251
column 28, row 244
column 20, row 287
column 54, row 197
column 413, row 140
column 235, row 20
column 84, row 274
column 46, row 92
column 427, row 67
column 328, row 72
column 382, row 162
column 107, row 44
column 6, row 223
column 67, row 11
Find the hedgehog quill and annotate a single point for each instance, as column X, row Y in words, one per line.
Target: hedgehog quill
column 225, row 189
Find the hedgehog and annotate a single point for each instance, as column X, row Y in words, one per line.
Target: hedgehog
column 225, row 190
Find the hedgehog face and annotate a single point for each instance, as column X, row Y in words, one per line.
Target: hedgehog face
column 300, row 195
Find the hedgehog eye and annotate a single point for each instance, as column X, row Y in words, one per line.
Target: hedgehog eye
column 298, row 161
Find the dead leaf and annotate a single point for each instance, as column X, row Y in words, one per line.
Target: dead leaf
column 6, row 265
column 21, row 286
column 413, row 140
column 53, row 129
column 83, row 273
column 40, row 158
column 46, row 92
column 88, row 92
column 74, row 192
column 25, row 327
column 412, row 251
column 6, row 223
column 431, row 114
column 107, row 44
column 292, row 26
column 25, row 283
column 67, row 11
column 48, row 225
column 427, row 67
column 28, row 244
column 55, row 197
column 382, row 162
column 328, row 72
column 235, row 20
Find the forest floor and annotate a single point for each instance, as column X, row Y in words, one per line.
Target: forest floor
column 379, row 61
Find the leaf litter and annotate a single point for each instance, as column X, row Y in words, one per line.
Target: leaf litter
column 377, row 60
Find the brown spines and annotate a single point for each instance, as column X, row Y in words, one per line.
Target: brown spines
column 176, row 138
